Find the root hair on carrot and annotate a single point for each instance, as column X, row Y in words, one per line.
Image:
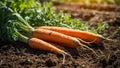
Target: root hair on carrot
column 64, row 55
column 82, row 41
column 83, row 45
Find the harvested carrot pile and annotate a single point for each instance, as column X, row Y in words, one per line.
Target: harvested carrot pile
column 37, row 38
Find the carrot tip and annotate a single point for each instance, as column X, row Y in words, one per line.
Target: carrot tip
column 109, row 39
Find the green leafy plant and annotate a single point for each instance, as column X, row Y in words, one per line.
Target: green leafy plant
column 102, row 27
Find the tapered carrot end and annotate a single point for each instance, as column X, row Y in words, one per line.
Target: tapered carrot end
column 109, row 39
column 106, row 39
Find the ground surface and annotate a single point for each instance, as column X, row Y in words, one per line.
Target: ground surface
column 19, row 55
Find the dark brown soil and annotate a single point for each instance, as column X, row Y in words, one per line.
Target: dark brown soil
column 20, row 55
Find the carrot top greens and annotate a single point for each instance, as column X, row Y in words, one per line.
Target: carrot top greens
column 13, row 27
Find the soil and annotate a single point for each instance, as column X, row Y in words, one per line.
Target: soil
column 20, row 55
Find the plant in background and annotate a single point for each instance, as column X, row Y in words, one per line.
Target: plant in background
column 102, row 27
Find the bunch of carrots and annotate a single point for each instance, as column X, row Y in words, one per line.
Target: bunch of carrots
column 60, row 35
column 49, row 38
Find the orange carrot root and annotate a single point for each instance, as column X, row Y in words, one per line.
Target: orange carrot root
column 56, row 37
column 42, row 45
column 84, row 35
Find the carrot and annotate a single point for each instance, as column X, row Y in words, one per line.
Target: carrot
column 42, row 45
column 53, row 36
column 84, row 35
